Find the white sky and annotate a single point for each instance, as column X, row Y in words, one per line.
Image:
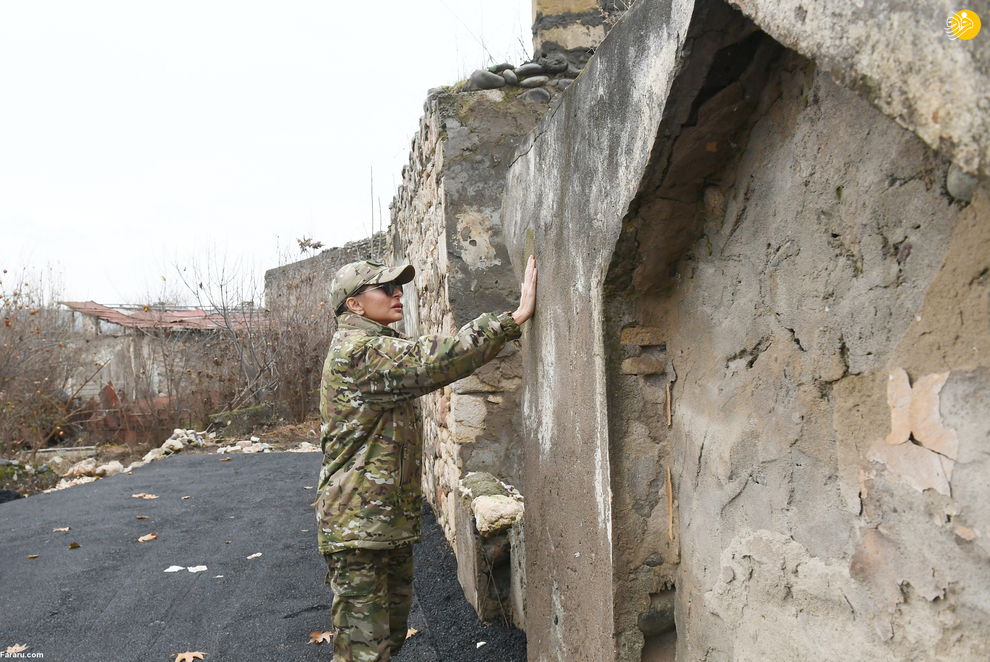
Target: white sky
column 135, row 132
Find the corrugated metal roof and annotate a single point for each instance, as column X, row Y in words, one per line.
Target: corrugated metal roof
column 186, row 320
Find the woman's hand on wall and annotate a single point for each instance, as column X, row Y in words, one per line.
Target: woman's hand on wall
column 527, row 298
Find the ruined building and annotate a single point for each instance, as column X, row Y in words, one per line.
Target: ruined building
column 756, row 389
column 750, row 417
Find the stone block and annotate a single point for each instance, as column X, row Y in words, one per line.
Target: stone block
column 472, row 384
column 173, row 446
column 494, row 514
column 109, row 469
column 644, row 336
column 468, row 413
column 152, row 455
column 466, row 548
column 85, row 467
column 479, row 483
column 643, row 365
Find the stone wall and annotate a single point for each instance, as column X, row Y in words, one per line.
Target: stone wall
column 446, row 221
column 573, row 28
column 756, row 414
column 313, row 274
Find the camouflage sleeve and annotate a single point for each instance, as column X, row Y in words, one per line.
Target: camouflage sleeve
column 399, row 369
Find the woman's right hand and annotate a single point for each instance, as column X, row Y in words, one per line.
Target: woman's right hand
column 527, row 297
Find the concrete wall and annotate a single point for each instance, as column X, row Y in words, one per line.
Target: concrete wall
column 446, row 221
column 773, row 294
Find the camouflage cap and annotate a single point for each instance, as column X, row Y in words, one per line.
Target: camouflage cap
column 351, row 277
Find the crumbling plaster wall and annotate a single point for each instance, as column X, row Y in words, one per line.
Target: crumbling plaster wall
column 566, row 193
column 446, row 221
column 895, row 54
column 786, row 259
column 128, row 359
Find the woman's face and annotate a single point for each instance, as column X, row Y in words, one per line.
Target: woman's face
column 374, row 304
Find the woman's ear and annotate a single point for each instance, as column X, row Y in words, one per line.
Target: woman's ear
column 354, row 306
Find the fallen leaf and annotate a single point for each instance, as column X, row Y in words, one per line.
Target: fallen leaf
column 227, row 542
column 32, row 556
column 411, row 632
column 196, row 568
column 189, row 656
column 149, row 537
column 142, row 517
column 480, row 644
column 64, row 528
column 16, row 648
column 307, row 487
column 320, row 637
column 74, row 545
column 254, row 556
column 144, row 495
column 185, row 497
column 226, row 459
column 175, row 568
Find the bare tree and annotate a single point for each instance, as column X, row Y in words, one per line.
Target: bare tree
column 37, row 361
column 229, row 290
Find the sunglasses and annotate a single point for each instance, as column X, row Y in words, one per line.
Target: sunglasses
column 388, row 288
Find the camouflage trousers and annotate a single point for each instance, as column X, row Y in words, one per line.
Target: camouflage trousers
column 372, row 591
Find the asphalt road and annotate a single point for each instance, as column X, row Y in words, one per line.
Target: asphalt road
column 110, row 599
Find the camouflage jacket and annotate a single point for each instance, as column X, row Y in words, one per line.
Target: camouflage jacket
column 370, row 493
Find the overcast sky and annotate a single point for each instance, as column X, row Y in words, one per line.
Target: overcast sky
column 133, row 133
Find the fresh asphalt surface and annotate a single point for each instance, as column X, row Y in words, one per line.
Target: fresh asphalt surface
column 110, row 599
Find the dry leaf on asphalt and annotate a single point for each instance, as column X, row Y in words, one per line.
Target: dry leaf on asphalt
column 64, row 528
column 144, row 495
column 226, row 459
column 411, row 632
column 149, row 537
column 320, row 637
column 32, row 556
column 142, row 517
column 254, row 556
column 189, row 656
column 16, row 648
column 74, row 545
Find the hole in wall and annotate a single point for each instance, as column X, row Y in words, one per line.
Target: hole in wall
column 658, row 628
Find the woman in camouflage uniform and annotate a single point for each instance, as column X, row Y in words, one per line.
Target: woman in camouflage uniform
column 370, row 502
